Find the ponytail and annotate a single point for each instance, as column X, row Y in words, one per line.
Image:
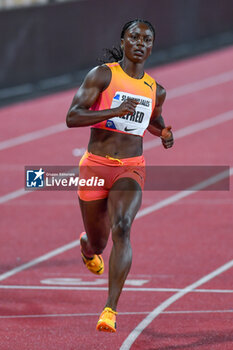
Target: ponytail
column 115, row 54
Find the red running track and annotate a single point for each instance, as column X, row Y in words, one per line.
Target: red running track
column 174, row 246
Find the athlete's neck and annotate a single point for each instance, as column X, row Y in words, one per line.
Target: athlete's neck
column 134, row 70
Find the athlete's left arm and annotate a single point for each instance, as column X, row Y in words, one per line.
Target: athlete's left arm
column 157, row 126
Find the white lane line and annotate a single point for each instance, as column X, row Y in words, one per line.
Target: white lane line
column 125, row 289
column 196, row 312
column 12, row 195
column 141, row 213
column 158, row 310
column 200, row 85
column 39, row 260
column 191, row 129
column 120, row 314
column 171, row 94
column 70, row 315
column 182, row 194
column 32, row 136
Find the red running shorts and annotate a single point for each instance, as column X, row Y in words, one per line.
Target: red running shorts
column 93, row 169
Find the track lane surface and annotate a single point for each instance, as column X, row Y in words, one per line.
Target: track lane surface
column 177, row 261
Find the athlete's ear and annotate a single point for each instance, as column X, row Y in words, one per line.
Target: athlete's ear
column 122, row 44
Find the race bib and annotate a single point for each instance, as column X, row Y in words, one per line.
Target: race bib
column 134, row 124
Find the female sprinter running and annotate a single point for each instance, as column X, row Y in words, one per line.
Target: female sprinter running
column 119, row 101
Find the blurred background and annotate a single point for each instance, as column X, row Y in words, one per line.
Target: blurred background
column 46, row 47
column 49, row 45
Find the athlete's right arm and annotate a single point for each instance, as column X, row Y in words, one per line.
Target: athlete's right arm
column 96, row 81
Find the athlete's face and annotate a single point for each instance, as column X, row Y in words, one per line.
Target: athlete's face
column 138, row 42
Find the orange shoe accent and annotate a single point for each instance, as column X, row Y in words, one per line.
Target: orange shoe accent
column 95, row 264
column 107, row 321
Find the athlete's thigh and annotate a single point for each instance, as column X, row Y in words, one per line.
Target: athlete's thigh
column 124, row 200
column 95, row 219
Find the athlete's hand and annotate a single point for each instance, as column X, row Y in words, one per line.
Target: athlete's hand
column 167, row 137
column 127, row 107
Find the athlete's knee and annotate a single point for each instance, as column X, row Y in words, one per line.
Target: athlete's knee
column 121, row 228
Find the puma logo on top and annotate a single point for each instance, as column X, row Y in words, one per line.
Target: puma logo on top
column 150, row 86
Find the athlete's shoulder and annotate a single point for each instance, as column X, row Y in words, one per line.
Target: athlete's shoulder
column 160, row 94
column 99, row 71
column 99, row 76
column 115, row 68
column 160, row 90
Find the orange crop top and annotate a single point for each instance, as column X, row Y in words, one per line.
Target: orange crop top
column 121, row 87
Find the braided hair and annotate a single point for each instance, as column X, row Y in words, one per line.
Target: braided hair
column 116, row 53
